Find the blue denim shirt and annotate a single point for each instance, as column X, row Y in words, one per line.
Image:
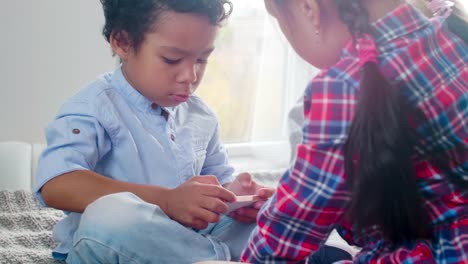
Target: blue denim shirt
column 110, row 128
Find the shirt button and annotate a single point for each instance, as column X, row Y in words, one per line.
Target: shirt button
column 76, row 131
column 154, row 106
column 172, row 137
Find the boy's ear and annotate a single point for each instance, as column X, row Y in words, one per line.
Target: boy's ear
column 121, row 44
column 311, row 9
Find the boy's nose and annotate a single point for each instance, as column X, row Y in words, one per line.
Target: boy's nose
column 188, row 75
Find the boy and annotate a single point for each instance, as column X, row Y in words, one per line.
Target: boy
column 125, row 154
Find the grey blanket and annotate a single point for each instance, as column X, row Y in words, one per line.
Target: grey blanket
column 25, row 229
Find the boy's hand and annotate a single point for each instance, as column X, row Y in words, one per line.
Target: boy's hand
column 245, row 185
column 197, row 202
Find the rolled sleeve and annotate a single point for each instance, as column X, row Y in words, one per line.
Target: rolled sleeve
column 75, row 141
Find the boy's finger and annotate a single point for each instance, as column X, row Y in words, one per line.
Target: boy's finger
column 221, row 193
column 206, row 216
column 245, row 179
column 215, row 205
column 266, row 193
column 199, row 224
column 259, row 204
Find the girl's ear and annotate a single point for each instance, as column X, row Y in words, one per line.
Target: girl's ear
column 311, row 10
column 121, row 44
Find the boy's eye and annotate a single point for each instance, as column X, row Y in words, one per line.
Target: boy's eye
column 171, row 61
column 202, row 61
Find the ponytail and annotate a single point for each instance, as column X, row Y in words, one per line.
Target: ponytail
column 378, row 150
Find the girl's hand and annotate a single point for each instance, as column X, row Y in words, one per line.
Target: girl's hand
column 197, row 202
column 245, row 185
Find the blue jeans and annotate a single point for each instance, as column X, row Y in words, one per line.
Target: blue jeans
column 122, row 228
column 329, row 255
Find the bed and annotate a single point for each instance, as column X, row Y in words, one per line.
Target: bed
column 25, row 229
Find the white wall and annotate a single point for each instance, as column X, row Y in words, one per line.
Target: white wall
column 49, row 50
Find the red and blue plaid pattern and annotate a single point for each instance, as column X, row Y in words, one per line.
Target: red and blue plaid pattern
column 430, row 66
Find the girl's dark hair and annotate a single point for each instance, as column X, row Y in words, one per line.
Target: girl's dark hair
column 137, row 17
column 378, row 151
column 458, row 21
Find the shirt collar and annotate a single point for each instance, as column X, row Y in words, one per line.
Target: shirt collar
column 134, row 97
column 402, row 21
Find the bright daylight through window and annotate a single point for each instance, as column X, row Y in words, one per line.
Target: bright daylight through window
column 252, row 81
column 253, row 78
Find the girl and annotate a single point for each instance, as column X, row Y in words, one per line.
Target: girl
column 125, row 154
column 384, row 155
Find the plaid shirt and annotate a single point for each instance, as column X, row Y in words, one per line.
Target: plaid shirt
column 430, row 66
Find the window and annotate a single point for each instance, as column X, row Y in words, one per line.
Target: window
column 253, row 78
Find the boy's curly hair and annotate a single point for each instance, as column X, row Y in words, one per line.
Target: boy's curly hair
column 136, row 18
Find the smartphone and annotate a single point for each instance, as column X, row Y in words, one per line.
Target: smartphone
column 243, row 201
